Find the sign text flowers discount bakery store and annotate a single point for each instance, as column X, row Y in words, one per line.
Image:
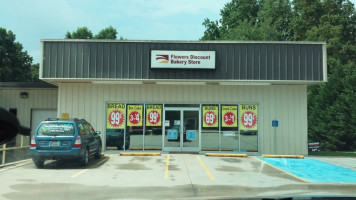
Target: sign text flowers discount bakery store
column 183, row 59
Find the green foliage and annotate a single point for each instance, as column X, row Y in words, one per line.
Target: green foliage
column 331, row 106
column 107, row 33
column 85, row 33
column 15, row 64
column 80, row 33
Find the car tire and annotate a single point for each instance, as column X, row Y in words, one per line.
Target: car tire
column 85, row 158
column 39, row 163
column 97, row 154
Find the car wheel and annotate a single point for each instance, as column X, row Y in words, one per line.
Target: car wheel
column 39, row 163
column 98, row 152
column 85, row 158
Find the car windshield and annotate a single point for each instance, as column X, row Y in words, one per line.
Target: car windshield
column 56, row 129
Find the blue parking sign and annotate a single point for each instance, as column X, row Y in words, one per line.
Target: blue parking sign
column 274, row 123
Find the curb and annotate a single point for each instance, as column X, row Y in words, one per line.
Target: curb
column 282, row 156
column 225, row 155
column 16, row 163
column 139, row 154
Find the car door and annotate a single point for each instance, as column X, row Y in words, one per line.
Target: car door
column 93, row 144
column 84, row 134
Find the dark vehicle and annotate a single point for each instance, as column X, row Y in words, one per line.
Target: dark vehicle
column 56, row 139
column 249, row 132
column 115, row 138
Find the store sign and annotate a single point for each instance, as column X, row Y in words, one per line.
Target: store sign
column 115, row 114
column 153, row 115
column 229, row 116
column 183, row 59
column 314, row 146
column 134, row 115
column 210, row 116
column 248, row 117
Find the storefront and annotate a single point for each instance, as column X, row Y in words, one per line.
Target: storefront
column 188, row 96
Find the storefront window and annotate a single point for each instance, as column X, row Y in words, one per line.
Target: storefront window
column 210, row 128
column 115, row 126
column 134, row 126
column 153, row 126
column 248, row 128
column 229, row 128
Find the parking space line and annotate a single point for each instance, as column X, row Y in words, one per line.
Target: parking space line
column 86, row 169
column 282, row 170
column 15, row 166
column 166, row 171
column 206, row 170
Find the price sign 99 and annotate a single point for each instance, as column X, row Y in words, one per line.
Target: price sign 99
column 116, row 118
column 249, row 119
column 154, row 117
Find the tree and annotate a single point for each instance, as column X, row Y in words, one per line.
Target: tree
column 80, row 33
column 251, row 20
column 15, row 64
column 331, row 106
column 212, row 31
column 107, row 33
column 85, row 33
column 274, row 20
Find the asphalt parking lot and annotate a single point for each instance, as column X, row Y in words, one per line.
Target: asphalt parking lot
column 168, row 176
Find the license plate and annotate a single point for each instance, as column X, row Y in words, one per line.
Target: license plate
column 54, row 144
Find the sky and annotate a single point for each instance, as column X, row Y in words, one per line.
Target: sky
column 33, row 20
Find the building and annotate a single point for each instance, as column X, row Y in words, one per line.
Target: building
column 188, row 96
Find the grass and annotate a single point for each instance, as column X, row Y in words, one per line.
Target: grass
column 333, row 153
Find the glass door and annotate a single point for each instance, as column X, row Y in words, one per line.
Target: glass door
column 181, row 129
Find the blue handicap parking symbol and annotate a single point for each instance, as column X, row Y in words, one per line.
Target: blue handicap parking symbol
column 274, row 123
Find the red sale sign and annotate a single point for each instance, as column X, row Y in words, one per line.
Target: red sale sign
column 248, row 117
column 134, row 115
column 229, row 116
column 115, row 116
column 210, row 116
column 153, row 115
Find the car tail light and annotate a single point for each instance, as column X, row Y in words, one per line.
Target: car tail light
column 33, row 142
column 78, row 142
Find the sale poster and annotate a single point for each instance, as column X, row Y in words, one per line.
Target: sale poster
column 229, row 116
column 210, row 116
column 115, row 114
column 134, row 115
column 154, row 115
column 248, row 117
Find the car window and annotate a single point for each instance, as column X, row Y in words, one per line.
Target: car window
column 56, row 129
column 82, row 129
column 89, row 128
